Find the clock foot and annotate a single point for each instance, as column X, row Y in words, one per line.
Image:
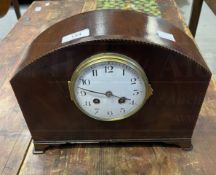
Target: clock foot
column 40, row 148
column 185, row 144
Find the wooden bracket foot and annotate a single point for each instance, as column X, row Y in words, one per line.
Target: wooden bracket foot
column 40, row 148
column 185, row 144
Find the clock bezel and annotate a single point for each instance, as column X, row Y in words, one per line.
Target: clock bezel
column 106, row 57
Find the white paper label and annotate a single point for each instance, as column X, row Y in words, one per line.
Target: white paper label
column 37, row 9
column 76, row 35
column 167, row 36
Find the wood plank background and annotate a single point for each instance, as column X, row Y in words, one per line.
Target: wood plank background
column 15, row 140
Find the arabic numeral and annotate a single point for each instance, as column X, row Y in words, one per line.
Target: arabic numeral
column 96, row 110
column 122, row 110
column 87, row 103
column 133, row 80
column 109, row 69
column 82, row 93
column 85, row 82
column 109, row 113
column 132, row 102
column 136, row 92
column 94, row 73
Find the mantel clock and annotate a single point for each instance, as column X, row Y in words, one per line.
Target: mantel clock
column 95, row 77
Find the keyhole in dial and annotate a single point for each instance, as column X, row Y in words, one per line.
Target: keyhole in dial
column 122, row 100
column 96, row 101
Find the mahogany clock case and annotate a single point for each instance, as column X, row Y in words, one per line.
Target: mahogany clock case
column 176, row 71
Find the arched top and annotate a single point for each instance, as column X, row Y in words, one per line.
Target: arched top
column 113, row 25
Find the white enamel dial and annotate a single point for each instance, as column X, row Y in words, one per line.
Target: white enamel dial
column 110, row 87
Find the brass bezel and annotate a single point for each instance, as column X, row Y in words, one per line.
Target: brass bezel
column 112, row 57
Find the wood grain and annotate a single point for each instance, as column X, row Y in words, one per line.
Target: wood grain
column 136, row 159
column 14, row 135
column 89, row 5
column 91, row 159
column 212, row 5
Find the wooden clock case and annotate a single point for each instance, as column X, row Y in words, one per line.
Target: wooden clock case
column 176, row 71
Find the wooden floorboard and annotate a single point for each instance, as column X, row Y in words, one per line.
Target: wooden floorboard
column 14, row 134
column 17, row 155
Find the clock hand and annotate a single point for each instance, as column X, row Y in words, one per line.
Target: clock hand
column 108, row 94
column 92, row 91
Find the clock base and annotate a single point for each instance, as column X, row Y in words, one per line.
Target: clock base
column 41, row 146
column 185, row 144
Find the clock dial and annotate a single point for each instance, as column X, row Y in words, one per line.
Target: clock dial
column 110, row 88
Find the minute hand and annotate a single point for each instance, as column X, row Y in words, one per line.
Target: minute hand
column 92, row 91
column 108, row 93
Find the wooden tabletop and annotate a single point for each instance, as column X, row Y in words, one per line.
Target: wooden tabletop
column 15, row 140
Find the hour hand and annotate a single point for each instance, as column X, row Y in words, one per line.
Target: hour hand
column 108, row 94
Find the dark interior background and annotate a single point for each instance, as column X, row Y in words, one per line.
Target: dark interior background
column 25, row 1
